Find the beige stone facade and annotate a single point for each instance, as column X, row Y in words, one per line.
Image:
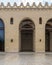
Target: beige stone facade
column 19, row 13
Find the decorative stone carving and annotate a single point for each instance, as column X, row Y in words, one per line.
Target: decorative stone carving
column 2, row 5
column 15, row 5
column 27, row 5
column 34, row 5
column 21, row 5
column 46, row 5
column 40, row 5
column 8, row 5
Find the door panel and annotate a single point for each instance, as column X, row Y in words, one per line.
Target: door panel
column 26, row 40
column 47, row 45
column 51, row 41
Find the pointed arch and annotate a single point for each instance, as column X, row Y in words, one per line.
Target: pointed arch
column 2, row 35
column 26, row 28
column 48, row 36
column 27, row 21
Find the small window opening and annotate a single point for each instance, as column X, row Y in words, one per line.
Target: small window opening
column 11, row 21
column 40, row 20
column 11, row 40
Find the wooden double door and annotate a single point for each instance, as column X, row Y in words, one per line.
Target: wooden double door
column 27, row 40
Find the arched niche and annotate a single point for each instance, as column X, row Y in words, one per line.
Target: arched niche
column 26, row 29
column 48, row 36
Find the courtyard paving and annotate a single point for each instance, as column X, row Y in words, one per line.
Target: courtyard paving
column 25, row 58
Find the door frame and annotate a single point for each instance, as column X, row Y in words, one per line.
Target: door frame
column 20, row 25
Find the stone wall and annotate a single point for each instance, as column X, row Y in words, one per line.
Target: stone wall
column 19, row 13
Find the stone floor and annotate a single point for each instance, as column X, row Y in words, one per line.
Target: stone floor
column 25, row 58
